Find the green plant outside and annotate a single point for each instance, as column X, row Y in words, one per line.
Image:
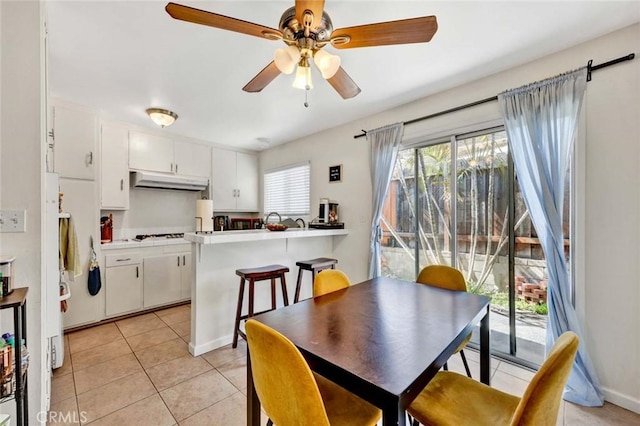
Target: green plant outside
column 502, row 299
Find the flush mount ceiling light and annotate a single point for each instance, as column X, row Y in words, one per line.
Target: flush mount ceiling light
column 162, row 117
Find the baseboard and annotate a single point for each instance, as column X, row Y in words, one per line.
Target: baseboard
column 209, row 346
column 621, row 400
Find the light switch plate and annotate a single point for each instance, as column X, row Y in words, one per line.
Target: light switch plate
column 13, row 220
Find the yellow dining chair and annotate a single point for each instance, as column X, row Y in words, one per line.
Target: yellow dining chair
column 452, row 399
column 330, row 280
column 291, row 394
column 450, row 279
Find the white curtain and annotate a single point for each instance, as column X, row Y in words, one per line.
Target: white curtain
column 541, row 121
column 385, row 142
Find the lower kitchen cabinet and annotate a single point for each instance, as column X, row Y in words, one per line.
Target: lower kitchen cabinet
column 123, row 284
column 185, row 276
column 145, row 278
column 162, row 280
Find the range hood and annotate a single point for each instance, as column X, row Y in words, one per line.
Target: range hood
column 168, row 181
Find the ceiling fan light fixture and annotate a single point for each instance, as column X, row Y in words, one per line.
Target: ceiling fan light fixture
column 286, row 59
column 162, row 117
column 303, row 76
column 327, row 63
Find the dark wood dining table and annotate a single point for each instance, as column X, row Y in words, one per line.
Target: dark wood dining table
column 383, row 339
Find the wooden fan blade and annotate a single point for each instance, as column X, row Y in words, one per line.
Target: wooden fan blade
column 414, row 30
column 197, row 16
column 315, row 6
column 343, row 84
column 263, row 78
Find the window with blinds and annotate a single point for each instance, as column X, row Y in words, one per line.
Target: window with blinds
column 287, row 190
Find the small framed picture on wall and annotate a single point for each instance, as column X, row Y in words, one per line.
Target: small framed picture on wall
column 335, row 173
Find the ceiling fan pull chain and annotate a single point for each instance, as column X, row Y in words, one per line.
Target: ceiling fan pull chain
column 306, row 99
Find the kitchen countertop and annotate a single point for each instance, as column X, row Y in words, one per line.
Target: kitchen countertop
column 259, row 235
column 147, row 242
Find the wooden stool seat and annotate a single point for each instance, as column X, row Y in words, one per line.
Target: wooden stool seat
column 315, row 266
column 270, row 272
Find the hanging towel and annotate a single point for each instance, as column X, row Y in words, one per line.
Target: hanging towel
column 69, row 254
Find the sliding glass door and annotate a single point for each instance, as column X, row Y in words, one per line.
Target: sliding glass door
column 457, row 202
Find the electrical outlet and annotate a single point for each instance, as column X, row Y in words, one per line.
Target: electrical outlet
column 13, row 220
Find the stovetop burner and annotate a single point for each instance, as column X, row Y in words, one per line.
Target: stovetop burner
column 159, row 236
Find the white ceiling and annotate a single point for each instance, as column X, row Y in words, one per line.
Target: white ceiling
column 123, row 57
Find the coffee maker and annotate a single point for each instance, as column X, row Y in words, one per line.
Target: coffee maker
column 328, row 211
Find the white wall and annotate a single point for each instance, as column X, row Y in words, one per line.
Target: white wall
column 608, row 299
column 155, row 211
column 21, row 168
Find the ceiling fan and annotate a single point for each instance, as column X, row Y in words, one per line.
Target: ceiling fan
column 306, row 28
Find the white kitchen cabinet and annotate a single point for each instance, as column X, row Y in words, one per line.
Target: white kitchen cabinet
column 247, row 182
column 192, row 159
column 123, row 284
column 162, row 280
column 114, row 168
column 186, row 271
column 75, row 135
column 235, row 181
column 150, row 152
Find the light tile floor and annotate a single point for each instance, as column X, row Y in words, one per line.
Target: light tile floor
column 138, row 371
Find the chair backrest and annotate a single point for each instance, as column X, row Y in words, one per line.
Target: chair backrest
column 442, row 276
column 330, row 280
column 541, row 400
column 282, row 378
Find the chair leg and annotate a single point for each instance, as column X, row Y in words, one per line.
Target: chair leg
column 283, row 283
column 445, row 367
column 273, row 293
column 415, row 423
column 269, row 422
column 464, row 361
column 296, row 298
column 251, row 289
column 238, row 314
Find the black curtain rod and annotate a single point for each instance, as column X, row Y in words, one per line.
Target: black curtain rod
column 590, row 69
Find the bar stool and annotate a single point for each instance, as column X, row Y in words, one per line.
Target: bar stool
column 270, row 272
column 315, row 266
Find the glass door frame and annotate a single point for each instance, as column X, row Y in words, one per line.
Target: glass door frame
column 453, row 230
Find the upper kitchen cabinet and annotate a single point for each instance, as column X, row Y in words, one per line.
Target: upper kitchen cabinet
column 114, row 168
column 150, row 152
column 235, row 181
column 162, row 154
column 192, row 159
column 75, row 136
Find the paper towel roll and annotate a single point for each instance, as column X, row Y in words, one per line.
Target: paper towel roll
column 204, row 210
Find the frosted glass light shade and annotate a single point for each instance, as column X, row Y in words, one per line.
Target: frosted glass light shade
column 303, row 78
column 327, row 63
column 286, row 59
column 162, row 117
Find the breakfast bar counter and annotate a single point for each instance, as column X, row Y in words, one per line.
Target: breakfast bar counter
column 215, row 285
column 260, row 235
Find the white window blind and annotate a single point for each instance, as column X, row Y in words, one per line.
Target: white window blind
column 286, row 190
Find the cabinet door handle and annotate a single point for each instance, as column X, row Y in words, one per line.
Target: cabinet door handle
column 137, row 272
column 171, row 167
column 238, row 193
column 184, row 260
column 91, row 157
column 121, row 184
column 178, row 260
column 176, row 167
column 123, row 260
